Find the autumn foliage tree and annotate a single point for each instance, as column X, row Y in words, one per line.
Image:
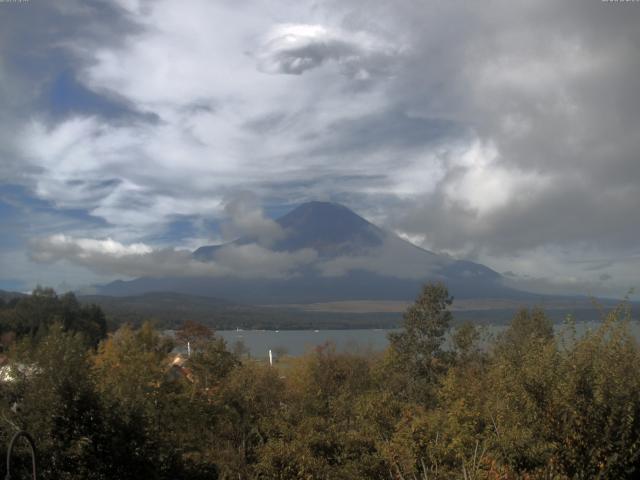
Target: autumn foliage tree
column 194, row 334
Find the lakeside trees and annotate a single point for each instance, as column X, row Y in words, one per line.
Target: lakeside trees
column 32, row 316
column 525, row 405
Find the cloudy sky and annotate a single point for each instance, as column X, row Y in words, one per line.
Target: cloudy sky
column 502, row 132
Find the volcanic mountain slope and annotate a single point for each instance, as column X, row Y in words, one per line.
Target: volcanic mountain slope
column 330, row 229
column 353, row 259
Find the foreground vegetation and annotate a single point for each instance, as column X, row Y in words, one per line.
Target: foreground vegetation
column 530, row 405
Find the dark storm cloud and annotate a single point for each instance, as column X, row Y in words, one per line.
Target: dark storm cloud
column 34, row 41
column 561, row 214
column 563, row 108
column 551, row 92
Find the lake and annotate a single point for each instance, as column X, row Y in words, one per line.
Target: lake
column 297, row 342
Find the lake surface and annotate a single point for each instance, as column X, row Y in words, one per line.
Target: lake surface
column 298, row 342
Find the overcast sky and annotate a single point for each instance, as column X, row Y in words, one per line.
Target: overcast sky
column 503, row 132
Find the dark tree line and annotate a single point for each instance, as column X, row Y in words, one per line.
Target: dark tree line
column 33, row 315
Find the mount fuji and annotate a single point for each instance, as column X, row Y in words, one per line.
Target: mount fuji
column 352, row 259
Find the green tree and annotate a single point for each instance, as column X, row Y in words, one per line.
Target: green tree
column 324, row 429
column 416, row 356
column 523, row 376
column 596, row 423
column 130, row 372
column 211, row 363
column 32, row 316
column 466, row 339
column 56, row 401
column 249, row 399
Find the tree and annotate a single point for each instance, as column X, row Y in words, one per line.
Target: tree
column 465, row 340
column 324, row 429
column 129, row 370
column 526, row 329
column 58, row 404
column 32, row 316
column 130, row 367
column 194, row 334
column 596, row 425
column 523, row 376
column 416, row 351
column 240, row 349
column 249, row 397
column 212, row 363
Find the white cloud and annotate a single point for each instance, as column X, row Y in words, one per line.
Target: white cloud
column 87, row 247
column 108, row 257
column 214, row 133
column 486, row 183
column 296, row 48
column 246, row 219
column 252, row 261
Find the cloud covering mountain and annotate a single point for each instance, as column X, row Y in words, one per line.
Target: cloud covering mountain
column 326, row 252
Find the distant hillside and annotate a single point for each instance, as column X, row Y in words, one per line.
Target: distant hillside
column 170, row 310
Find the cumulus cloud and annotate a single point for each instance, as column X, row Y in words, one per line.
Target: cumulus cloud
column 246, row 219
column 85, row 248
column 139, row 260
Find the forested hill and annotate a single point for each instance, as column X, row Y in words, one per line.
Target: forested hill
column 169, row 310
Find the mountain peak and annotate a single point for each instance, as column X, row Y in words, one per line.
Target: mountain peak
column 318, row 205
column 328, row 227
column 321, row 212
